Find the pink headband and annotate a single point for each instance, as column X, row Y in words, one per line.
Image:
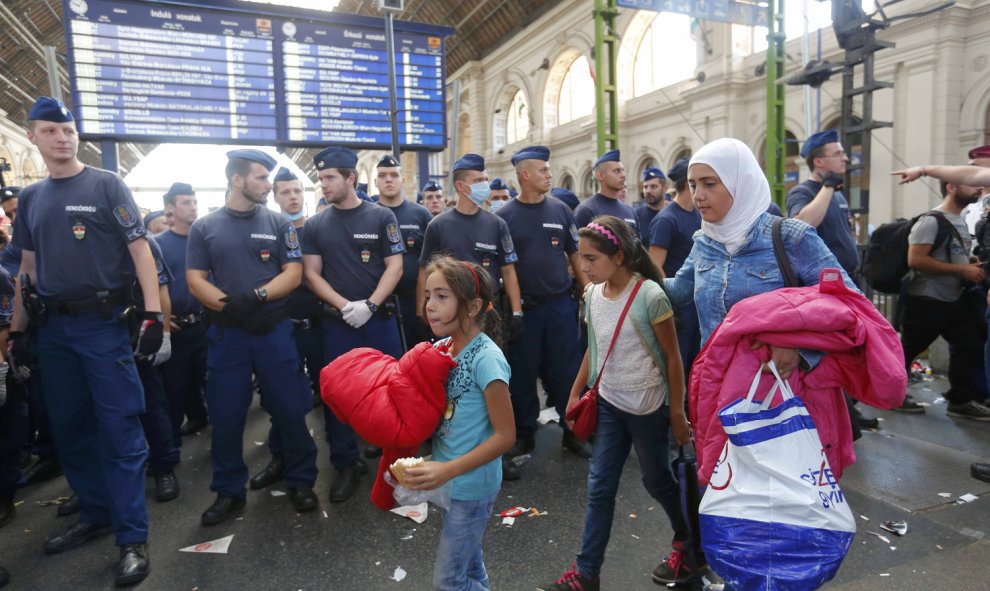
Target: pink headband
column 606, row 233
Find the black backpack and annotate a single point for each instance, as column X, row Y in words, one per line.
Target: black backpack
column 885, row 260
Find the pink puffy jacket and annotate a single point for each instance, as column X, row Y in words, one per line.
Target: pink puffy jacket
column 863, row 357
column 395, row 405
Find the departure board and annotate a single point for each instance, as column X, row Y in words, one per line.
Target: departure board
column 227, row 73
column 336, row 86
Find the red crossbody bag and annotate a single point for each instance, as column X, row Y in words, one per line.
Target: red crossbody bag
column 584, row 414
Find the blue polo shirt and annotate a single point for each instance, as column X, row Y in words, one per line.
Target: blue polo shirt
column 174, row 248
column 79, row 229
column 644, row 217
column 483, row 238
column 353, row 244
column 243, row 250
column 303, row 303
column 834, row 230
column 544, row 234
column 10, row 259
column 674, row 230
column 599, row 204
column 413, row 219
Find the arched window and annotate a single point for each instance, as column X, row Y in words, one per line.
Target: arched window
column 29, row 172
column 666, row 55
column 682, row 153
column 588, row 187
column 643, row 165
column 566, row 182
column 577, row 92
column 517, row 119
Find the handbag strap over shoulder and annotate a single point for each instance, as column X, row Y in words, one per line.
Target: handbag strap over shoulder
column 618, row 327
column 783, row 261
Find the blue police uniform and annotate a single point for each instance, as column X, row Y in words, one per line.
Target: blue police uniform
column 243, row 251
column 413, row 220
column 91, row 386
column 644, row 215
column 544, row 235
column 14, row 411
column 483, row 238
column 184, row 374
column 599, row 204
column 354, row 244
column 163, row 452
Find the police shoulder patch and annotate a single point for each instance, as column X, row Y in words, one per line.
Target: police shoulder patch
column 292, row 239
column 159, row 265
column 392, row 231
column 507, row 245
column 574, row 233
column 125, row 217
column 6, row 305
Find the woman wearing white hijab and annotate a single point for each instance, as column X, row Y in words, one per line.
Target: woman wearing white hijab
column 733, row 256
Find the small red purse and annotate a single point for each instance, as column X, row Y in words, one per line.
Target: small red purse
column 584, row 413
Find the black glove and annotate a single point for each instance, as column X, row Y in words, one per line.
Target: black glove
column 151, row 333
column 20, row 355
column 260, row 322
column 516, row 327
column 328, row 312
column 833, row 180
column 239, row 306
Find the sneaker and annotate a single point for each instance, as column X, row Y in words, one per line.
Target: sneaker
column 910, row 405
column 675, row 569
column 573, row 581
column 971, row 410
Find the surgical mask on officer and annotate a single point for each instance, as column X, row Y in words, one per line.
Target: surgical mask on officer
column 479, row 193
column 294, row 217
column 497, row 205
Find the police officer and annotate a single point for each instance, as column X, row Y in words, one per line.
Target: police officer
column 654, row 188
column 433, row 200
column 353, row 257
column 498, row 195
column 85, row 219
column 566, row 196
column 413, row 220
column 184, row 374
column 163, row 452
column 471, row 233
column 254, row 258
column 156, row 222
column 611, row 175
column 545, row 236
column 304, row 312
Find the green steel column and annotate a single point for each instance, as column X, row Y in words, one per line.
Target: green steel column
column 776, row 152
column 606, row 87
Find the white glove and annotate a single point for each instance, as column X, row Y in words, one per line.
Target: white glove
column 165, row 352
column 356, row 314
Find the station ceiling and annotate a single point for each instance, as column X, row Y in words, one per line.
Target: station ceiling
column 27, row 26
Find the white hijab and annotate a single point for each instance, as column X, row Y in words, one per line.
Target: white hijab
column 738, row 170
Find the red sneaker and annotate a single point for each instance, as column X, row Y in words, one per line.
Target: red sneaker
column 573, row 581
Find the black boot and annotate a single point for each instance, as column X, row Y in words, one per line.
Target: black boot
column 7, row 510
column 510, row 471
column 223, row 509
column 344, row 484
column 271, row 474
column 42, row 470
column 70, row 507
column 303, row 498
column 166, row 487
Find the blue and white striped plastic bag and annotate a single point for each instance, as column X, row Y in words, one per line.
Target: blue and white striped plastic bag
column 773, row 517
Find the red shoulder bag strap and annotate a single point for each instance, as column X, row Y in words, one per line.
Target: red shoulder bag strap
column 618, row 327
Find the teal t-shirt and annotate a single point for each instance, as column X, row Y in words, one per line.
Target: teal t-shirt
column 466, row 423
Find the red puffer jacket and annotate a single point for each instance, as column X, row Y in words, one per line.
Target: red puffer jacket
column 395, row 405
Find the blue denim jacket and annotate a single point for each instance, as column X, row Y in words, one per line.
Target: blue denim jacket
column 717, row 280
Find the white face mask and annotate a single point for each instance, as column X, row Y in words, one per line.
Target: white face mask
column 480, row 192
column 497, row 205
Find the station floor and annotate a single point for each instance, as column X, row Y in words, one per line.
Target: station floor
column 913, row 468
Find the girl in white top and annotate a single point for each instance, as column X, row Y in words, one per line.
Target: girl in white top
column 641, row 395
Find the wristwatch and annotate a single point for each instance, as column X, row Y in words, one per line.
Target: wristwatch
column 371, row 306
column 261, row 293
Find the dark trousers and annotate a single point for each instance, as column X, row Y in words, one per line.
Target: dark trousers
column 338, row 338
column 163, row 454
column 549, row 340
column 309, row 346
column 39, row 439
column 184, row 378
column 13, row 435
column 95, row 400
column 234, row 355
column 925, row 319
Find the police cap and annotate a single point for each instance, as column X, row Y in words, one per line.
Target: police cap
column 653, row 173
column 432, row 185
column 678, row 172
column 284, row 174
column 566, row 196
column 610, row 156
column 178, row 189
column 470, row 162
column 335, row 157
column 48, row 109
column 151, row 216
column 388, row 161
column 818, row 140
column 254, row 156
column 531, row 153
column 497, row 184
